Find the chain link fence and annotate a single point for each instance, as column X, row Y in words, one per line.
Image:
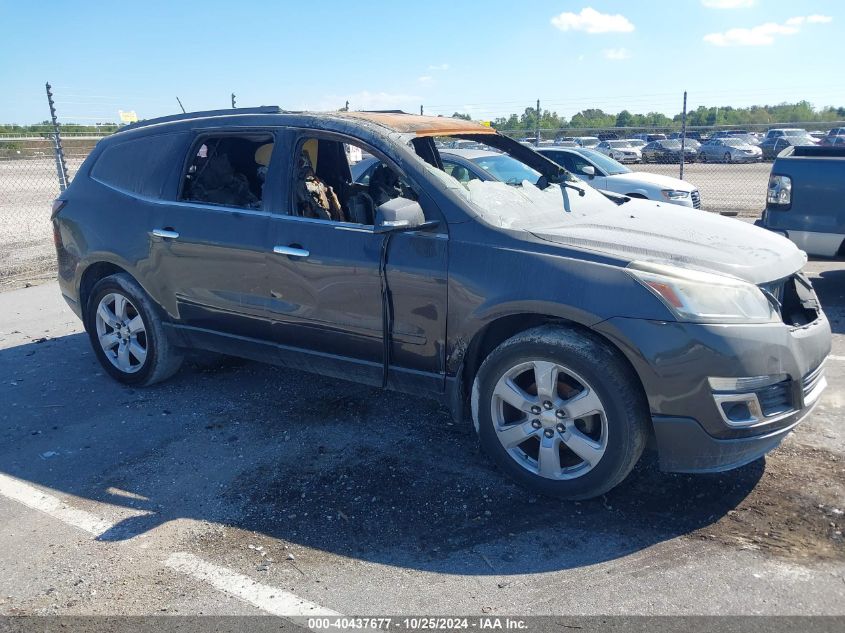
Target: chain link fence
column 29, row 182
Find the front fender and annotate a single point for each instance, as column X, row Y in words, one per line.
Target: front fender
column 532, row 278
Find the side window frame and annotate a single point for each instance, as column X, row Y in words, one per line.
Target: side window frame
column 199, row 136
column 288, row 178
column 168, row 182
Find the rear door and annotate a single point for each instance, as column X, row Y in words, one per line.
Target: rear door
column 209, row 247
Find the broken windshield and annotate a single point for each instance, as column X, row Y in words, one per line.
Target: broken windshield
column 532, row 193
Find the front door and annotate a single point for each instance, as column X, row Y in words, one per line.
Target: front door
column 326, row 287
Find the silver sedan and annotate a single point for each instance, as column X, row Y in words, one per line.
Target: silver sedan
column 621, row 151
column 729, row 150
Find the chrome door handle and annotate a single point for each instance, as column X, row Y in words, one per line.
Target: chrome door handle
column 290, row 251
column 166, row 233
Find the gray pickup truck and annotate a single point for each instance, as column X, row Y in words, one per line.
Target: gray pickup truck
column 805, row 200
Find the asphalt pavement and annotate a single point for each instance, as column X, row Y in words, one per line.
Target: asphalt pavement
column 239, row 488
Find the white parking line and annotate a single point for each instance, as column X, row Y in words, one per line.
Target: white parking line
column 265, row 597
column 37, row 499
column 832, row 357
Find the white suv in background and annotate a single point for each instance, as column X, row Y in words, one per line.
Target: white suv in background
column 602, row 172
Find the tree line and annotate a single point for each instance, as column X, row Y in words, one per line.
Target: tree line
column 46, row 127
column 703, row 116
column 590, row 118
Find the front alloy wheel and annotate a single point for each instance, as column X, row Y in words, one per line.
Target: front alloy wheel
column 560, row 411
column 549, row 419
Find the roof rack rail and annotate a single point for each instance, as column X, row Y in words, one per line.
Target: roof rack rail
column 204, row 113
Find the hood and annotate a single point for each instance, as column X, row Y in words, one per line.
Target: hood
column 682, row 237
column 664, row 182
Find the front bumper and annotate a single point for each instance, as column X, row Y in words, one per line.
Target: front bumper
column 674, row 362
column 683, row 446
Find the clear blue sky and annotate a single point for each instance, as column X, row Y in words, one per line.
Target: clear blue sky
column 489, row 58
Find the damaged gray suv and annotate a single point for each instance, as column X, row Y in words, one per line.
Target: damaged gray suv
column 570, row 328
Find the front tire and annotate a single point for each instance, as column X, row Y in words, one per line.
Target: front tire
column 560, row 412
column 127, row 334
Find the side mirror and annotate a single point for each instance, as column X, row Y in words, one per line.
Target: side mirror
column 589, row 170
column 399, row 214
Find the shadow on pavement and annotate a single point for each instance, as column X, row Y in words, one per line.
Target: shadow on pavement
column 830, row 288
column 318, row 462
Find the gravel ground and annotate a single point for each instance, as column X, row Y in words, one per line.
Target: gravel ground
column 370, row 502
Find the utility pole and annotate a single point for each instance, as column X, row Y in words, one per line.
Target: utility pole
column 180, row 104
column 233, row 101
column 537, row 127
column 61, row 166
column 421, row 110
column 683, row 133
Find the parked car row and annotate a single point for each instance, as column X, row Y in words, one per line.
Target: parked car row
column 722, row 146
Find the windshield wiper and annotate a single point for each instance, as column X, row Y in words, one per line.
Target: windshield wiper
column 562, row 181
column 568, row 184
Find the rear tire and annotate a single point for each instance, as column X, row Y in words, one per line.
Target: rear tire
column 561, row 412
column 727, row 157
column 126, row 333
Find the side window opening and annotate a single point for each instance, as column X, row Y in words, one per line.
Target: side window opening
column 458, row 172
column 342, row 182
column 228, row 170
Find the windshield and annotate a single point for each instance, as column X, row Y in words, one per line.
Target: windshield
column 588, row 141
column 618, row 143
column 507, row 169
column 605, row 163
column 527, row 206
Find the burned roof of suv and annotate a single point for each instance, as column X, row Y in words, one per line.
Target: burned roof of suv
column 395, row 121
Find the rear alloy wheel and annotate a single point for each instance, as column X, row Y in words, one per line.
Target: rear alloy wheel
column 121, row 333
column 127, row 334
column 561, row 412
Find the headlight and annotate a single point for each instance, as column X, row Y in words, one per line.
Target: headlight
column 701, row 297
column 674, row 194
column 779, row 193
